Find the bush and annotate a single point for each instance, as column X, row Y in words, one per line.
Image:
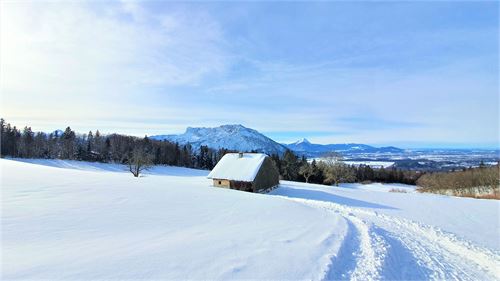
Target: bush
column 473, row 182
column 398, row 190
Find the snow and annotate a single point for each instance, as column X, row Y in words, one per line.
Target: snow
column 79, row 220
column 373, row 164
column 60, row 223
column 301, row 141
column 233, row 167
column 405, row 236
column 380, row 187
column 110, row 167
column 476, row 220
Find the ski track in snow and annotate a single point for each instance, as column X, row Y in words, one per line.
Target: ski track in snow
column 382, row 247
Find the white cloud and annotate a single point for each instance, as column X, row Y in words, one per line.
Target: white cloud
column 84, row 56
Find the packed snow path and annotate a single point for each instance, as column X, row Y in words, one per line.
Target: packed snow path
column 382, row 247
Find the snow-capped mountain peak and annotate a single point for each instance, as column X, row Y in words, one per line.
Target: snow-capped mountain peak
column 302, row 141
column 233, row 137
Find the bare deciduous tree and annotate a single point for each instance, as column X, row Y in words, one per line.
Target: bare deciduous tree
column 307, row 170
column 336, row 171
column 139, row 160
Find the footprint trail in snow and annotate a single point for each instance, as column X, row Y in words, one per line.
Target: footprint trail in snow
column 383, row 247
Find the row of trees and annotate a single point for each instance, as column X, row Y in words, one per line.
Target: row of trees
column 468, row 182
column 98, row 148
column 331, row 170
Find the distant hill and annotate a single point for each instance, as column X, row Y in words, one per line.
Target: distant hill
column 305, row 147
column 234, row 137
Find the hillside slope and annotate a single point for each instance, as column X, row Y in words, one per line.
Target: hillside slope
column 60, row 223
column 102, row 223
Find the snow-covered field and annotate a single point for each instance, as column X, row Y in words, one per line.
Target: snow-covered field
column 77, row 220
column 373, row 164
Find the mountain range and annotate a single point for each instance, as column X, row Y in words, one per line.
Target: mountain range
column 304, row 147
column 240, row 138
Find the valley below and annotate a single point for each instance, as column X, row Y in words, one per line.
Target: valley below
column 425, row 159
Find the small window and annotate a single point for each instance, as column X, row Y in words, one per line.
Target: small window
column 220, row 182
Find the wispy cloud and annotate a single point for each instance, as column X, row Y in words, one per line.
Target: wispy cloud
column 87, row 56
column 332, row 72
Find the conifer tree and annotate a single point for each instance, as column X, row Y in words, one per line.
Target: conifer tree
column 68, row 143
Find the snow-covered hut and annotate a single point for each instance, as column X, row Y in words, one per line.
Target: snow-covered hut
column 253, row 172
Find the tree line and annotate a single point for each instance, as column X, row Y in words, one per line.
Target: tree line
column 96, row 147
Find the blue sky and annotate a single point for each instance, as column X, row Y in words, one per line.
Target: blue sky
column 411, row 74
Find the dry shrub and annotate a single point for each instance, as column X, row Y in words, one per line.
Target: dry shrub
column 398, row 190
column 489, row 196
column 494, row 196
column 483, row 182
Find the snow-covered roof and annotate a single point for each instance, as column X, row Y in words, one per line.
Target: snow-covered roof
column 234, row 167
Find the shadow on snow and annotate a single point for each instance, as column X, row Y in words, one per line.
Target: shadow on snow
column 310, row 194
